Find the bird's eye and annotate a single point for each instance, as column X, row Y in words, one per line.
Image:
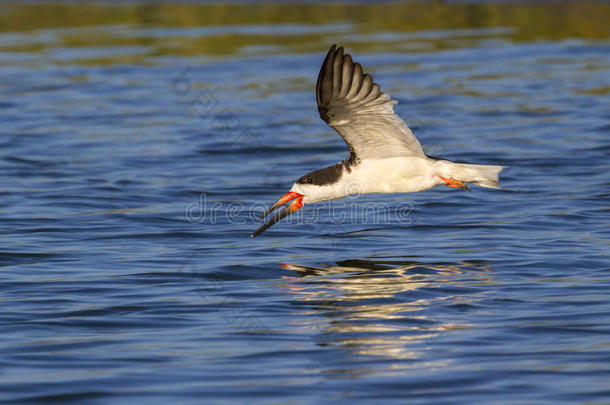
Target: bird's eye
column 309, row 180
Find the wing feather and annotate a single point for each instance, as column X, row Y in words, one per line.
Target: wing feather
column 337, row 73
column 356, row 107
column 347, row 75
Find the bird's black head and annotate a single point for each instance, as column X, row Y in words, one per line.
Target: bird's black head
column 323, row 177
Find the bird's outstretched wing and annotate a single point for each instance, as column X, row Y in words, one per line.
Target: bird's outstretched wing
column 353, row 105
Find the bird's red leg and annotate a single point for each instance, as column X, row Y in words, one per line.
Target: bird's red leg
column 454, row 183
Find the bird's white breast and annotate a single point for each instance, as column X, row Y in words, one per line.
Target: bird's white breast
column 392, row 175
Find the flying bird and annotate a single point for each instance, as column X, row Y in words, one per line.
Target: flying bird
column 384, row 155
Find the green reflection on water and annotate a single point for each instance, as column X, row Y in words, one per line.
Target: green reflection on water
column 552, row 21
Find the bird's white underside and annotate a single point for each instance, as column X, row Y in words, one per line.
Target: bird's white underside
column 406, row 174
column 390, row 175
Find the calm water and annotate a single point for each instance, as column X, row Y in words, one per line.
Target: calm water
column 139, row 141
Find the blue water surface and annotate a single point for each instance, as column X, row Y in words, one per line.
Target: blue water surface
column 130, row 187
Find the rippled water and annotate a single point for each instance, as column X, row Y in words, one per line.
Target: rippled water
column 139, row 141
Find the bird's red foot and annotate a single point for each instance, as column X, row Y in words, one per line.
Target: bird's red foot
column 454, row 183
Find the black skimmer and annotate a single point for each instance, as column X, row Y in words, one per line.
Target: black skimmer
column 385, row 156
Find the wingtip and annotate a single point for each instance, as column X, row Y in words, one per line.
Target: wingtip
column 336, row 49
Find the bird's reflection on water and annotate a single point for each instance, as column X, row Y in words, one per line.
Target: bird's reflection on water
column 392, row 309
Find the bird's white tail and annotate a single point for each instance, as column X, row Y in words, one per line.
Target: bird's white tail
column 481, row 175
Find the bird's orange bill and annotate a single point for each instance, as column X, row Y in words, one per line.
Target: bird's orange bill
column 289, row 196
column 297, row 203
column 454, row 183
